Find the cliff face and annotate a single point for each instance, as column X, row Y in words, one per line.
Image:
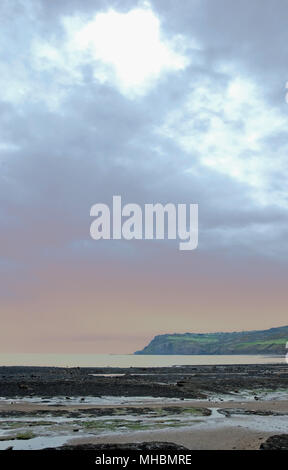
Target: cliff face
column 271, row 341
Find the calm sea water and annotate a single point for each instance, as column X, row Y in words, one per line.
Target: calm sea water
column 128, row 360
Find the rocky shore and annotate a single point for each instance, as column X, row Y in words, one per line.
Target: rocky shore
column 194, row 407
column 131, row 446
column 277, row 442
column 179, row 381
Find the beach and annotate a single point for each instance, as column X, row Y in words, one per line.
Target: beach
column 244, row 425
column 235, row 407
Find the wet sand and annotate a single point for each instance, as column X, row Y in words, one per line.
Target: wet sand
column 219, row 432
column 208, row 439
column 238, row 437
column 280, row 406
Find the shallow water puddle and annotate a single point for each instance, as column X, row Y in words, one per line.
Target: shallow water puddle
column 50, row 430
column 89, row 400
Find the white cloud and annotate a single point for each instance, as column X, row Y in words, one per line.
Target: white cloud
column 123, row 49
column 228, row 127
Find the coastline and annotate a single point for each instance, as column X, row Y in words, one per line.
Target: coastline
column 132, row 360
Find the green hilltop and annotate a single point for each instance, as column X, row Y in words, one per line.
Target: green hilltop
column 272, row 341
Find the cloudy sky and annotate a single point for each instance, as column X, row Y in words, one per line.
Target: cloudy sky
column 159, row 101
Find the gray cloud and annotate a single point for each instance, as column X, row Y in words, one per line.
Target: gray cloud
column 77, row 142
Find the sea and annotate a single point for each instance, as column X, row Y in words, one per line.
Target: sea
column 130, row 360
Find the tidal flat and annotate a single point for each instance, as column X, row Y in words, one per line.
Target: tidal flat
column 50, row 407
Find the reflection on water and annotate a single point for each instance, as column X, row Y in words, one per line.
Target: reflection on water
column 129, row 360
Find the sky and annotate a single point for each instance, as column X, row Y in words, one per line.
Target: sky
column 160, row 101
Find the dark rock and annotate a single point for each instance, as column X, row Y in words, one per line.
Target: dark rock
column 134, row 446
column 23, row 386
column 277, row 442
column 157, row 382
column 180, row 384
